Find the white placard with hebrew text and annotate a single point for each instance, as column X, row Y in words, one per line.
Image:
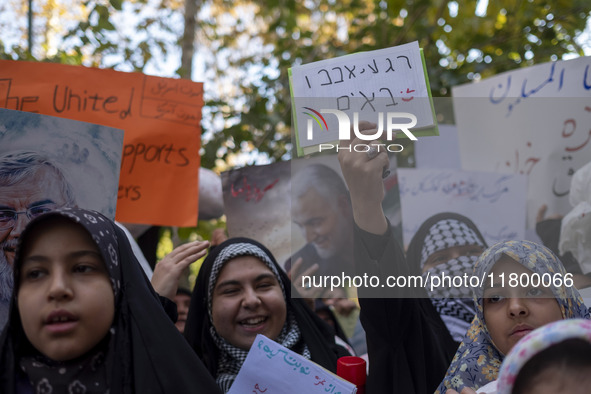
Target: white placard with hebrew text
column 274, row 369
column 371, row 84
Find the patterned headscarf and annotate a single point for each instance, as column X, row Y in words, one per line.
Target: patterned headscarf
column 477, row 360
column 132, row 358
column 445, row 234
column 537, row 341
column 87, row 375
column 304, row 332
column 230, row 252
column 442, row 231
column 232, row 356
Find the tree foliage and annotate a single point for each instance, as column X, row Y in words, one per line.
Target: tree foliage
column 246, row 48
column 460, row 44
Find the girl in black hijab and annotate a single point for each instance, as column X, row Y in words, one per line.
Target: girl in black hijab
column 85, row 319
column 241, row 291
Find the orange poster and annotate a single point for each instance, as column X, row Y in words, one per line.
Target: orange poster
column 161, row 117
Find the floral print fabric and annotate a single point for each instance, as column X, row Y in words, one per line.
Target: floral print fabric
column 537, row 341
column 477, row 361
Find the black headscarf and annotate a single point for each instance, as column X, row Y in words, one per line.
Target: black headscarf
column 315, row 335
column 143, row 353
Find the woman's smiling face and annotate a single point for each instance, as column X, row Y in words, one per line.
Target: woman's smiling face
column 247, row 300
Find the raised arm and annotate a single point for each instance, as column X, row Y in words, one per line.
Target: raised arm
column 363, row 175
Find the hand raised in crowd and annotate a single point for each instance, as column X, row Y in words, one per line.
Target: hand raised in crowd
column 363, row 174
column 309, row 292
column 218, row 236
column 169, row 270
column 343, row 306
column 541, row 216
column 337, row 298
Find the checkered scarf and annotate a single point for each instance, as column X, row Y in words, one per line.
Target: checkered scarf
column 451, row 268
column 445, row 234
column 453, row 304
column 232, row 357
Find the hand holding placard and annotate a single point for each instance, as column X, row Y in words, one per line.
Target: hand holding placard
column 272, row 369
column 377, row 86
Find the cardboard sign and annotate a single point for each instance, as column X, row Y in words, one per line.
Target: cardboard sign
column 494, row 202
column 160, row 116
column 532, row 121
column 442, row 151
column 369, row 84
column 274, row 369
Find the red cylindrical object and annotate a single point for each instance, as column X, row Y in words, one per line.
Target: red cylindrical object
column 353, row 369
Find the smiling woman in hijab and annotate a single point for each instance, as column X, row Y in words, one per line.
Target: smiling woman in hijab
column 448, row 243
column 240, row 292
column 85, row 319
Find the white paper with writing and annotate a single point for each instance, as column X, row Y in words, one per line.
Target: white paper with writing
column 369, row 83
column 440, row 151
column 494, row 202
column 534, row 121
column 274, row 369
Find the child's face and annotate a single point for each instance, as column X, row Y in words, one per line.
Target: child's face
column 557, row 380
column 511, row 313
column 65, row 297
column 182, row 301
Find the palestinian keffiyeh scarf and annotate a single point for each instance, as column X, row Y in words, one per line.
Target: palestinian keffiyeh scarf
column 454, row 304
column 445, row 234
column 232, row 357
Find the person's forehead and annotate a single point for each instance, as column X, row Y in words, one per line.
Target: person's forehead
column 49, row 231
column 182, row 297
column 237, row 267
column 312, row 202
column 507, row 264
column 43, row 184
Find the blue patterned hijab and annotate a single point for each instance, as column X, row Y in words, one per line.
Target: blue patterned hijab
column 477, row 360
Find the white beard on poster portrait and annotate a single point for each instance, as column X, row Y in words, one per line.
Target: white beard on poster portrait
column 6, row 279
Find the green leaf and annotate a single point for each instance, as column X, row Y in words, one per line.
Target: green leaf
column 117, row 4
